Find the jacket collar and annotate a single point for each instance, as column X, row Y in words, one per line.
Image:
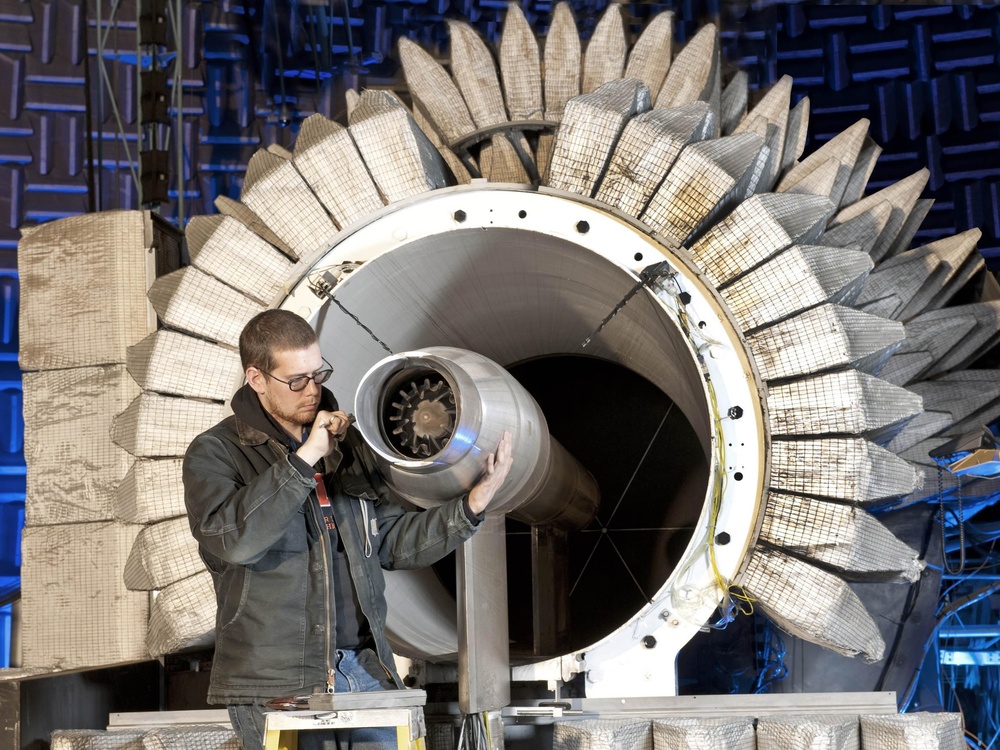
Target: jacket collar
column 255, row 426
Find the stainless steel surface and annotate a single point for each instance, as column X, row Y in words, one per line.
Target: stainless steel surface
column 434, row 415
column 484, row 659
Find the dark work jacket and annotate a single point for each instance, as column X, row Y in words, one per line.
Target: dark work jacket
column 259, row 532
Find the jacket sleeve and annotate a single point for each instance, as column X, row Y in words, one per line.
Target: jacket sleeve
column 235, row 517
column 416, row 539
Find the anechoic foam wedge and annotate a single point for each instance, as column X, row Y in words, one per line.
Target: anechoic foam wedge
column 73, row 466
column 649, row 59
column 327, row 158
column 499, row 161
column 773, row 110
column 224, row 248
column 841, row 536
column 694, row 73
column 459, row 169
column 854, row 469
column 864, row 165
column 922, row 279
column 275, row 191
column 155, row 426
column 193, row 301
column 236, row 210
column 901, row 195
column 400, row 158
column 795, row 135
column 692, row 733
column 812, row 604
column 182, row 616
column 591, row 125
column 647, row 148
column 706, row 178
column 520, row 67
column 476, row 75
column 152, row 490
column 621, row 734
column 835, row 732
column 846, row 402
column 757, row 229
column 911, row 225
column 862, row 231
column 561, row 60
column 941, row 731
column 434, row 88
column 843, row 149
column 824, row 338
column 733, row 102
column 173, row 363
column 604, row 59
column 163, row 553
column 944, row 340
column 801, row 277
column 75, row 609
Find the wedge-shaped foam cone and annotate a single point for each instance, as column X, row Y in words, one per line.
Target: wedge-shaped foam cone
column 808, row 731
column 695, row 74
column 733, row 104
column 561, row 61
column 75, row 467
column 604, row 59
column 811, row 604
column 163, row 553
column 902, row 196
column 942, row 731
column 159, row 426
column 911, row 224
column 649, row 59
column 705, row 180
column 437, row 93
column 854, row 469
column 520, row 67
column 647, row 149
column 499, row 161
column 172, row 363
column 862, row 231
column 152, row 490
column 841, row 536
column 236, row 210
column 863, row 167
column 921, row 279
column 796, row 135
column 691, row 733
column 952, row 403
column 591, row 125
column 943, row 340
column 824, row 338
column 226, row 249
column 801, row 277
column 838, row 156
column 838, row 403
column 182, row 616
column 200, row 304
column 459, row 169
column 771, row 115
column 397, row 153
column 328, row 160
column 757, row 229
column 275, row 191
column 622, row 734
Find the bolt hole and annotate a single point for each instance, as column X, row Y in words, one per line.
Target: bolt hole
column 738, row 476
column 702, row 324
column 637, row 256
column 522, row 213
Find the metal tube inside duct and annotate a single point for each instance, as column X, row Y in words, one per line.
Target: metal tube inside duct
column 432, row 416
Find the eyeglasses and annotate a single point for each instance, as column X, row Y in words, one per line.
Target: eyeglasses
column 299, row 382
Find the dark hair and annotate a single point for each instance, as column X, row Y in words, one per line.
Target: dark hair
column 270, row 332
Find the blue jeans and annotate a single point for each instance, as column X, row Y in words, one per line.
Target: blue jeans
column 357, row 671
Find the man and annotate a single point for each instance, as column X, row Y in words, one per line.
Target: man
column 293, row 520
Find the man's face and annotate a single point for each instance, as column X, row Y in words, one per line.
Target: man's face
column 292, row 409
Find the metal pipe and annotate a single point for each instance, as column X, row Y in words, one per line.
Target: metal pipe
column 432, row 416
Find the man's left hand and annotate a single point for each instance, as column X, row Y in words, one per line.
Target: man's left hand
column 497, row 466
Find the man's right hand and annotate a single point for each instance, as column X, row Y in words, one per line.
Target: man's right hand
column 327, row 430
